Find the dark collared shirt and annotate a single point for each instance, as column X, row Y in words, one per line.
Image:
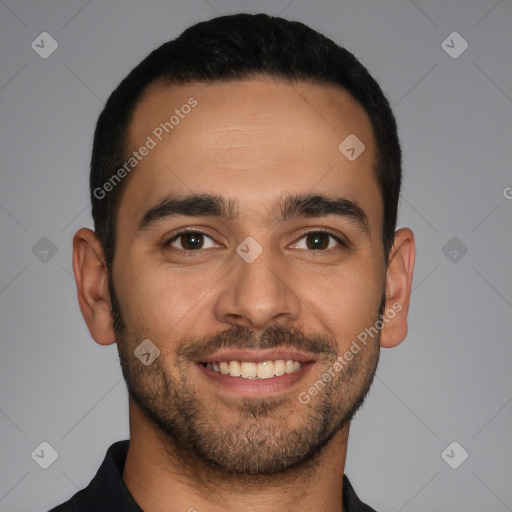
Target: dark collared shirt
column 107, row 491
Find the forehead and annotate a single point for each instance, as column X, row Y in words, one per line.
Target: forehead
column 253, row 139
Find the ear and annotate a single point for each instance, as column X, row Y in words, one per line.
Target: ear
column 92, row 286
column 398, row 288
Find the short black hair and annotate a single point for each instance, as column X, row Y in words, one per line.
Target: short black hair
column 238, row 47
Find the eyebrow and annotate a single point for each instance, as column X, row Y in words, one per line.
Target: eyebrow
column 293, row 205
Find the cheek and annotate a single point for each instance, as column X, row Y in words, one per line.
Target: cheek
column 162, row 301
column 345, row 302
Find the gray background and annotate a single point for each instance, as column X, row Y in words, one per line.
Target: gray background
column 449, row 381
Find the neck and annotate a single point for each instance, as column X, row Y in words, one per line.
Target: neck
column 163, row 477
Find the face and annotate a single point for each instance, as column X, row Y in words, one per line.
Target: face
column 254, row 287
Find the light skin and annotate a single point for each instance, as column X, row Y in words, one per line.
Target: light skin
column 253, row 142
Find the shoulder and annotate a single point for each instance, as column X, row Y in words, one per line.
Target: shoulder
column 80, row 502
column 351, row 501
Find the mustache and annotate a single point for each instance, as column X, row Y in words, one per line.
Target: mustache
column 242, row 337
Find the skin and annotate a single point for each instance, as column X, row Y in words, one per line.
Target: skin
column 252, row 141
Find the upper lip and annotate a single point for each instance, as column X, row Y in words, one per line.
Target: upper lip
column 256, row 356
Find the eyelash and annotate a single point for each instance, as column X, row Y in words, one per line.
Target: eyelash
column 198, row 252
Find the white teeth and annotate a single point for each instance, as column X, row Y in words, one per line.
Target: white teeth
column 279, row 367
column 263, row 370
column 224, row 368
column 235, row 369
column 249, row 370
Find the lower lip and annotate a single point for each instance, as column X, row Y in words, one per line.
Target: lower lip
column 256, row 387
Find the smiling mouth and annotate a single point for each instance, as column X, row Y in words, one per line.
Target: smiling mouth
column 255, row 371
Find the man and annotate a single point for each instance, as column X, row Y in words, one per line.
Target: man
column 244, row 182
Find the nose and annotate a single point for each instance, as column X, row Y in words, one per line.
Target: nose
column 257, row 294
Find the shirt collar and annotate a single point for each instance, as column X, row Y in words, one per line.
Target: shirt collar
column 107, row 490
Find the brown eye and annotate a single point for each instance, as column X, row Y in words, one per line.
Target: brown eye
column 191, row 241
column 318, row 241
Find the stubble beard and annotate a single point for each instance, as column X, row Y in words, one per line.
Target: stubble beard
column 261, row 441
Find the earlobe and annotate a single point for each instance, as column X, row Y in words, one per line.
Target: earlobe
column 398, row 288
column 91, row 278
